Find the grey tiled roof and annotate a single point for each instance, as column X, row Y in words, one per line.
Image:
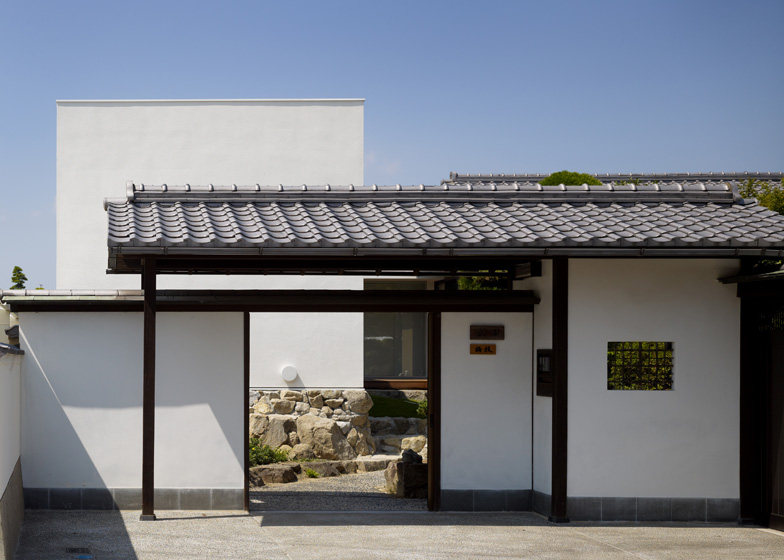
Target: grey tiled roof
column 485, row 216
column 733, row 178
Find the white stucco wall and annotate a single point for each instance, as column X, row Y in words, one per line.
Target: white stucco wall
column 103, row 144
column 323, row 357
column 679, row 443
column 486, row 405
column 82, row 395
column 543, row 406
column 10, row 402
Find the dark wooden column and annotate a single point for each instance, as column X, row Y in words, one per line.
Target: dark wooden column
column 560, row 388
column 148, row 398
column 753, row 408
column 246, row 406
column 434, row 411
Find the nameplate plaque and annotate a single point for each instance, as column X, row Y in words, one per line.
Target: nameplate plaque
column 483, row 349
column 487, row 332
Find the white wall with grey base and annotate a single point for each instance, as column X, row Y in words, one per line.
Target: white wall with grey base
column 81, row 408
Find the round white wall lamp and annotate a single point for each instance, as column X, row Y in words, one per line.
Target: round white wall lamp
column 289, row 374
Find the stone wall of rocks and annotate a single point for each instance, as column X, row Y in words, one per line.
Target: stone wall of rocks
column 313, row 423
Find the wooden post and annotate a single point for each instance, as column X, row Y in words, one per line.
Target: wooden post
column 148, row 398
column 560, row 367
column 246, row 401
column 434, row 411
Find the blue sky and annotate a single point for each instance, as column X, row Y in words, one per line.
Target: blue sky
column 450, row 86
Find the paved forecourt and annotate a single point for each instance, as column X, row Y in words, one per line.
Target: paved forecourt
column 368, row 535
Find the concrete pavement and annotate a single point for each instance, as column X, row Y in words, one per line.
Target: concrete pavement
column 369, row 535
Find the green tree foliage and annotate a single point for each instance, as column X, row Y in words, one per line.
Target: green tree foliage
column 18, row 278
column 570, row 178
column 769, row 195
column 482, row 283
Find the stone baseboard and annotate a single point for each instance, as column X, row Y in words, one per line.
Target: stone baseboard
column 644, row 509
column 11, row 513
column 485, row 500
column 131, row 498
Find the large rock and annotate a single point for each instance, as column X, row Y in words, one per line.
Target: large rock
column 272, row 474
column 359, row 420
column 289, row 395
column 302, row 451
column 406, row 480
column 323, row 469
column 263, row 405
column 324, row 437
column 258, row 424
column 358, row 401
column 316, row 401
column 333, row 403
column 277, row 432
column 301, row 408
column 280, row 406
column 365, row 444
column 381, row 425
column 416, row 443
column 332, row 393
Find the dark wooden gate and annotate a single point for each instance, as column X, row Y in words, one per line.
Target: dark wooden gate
column 762, row 403
column 772, row 331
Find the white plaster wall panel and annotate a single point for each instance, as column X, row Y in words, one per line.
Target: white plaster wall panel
column 543, row 406
column 486, row 405
column 201, row 396
column 679, row 443
column 82, row 394
column 10, row 416
column 101, row 145
column 317, row 344
column 82, row 398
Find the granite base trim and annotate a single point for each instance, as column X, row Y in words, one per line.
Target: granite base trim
column 485, row 500
column 131, row 498
column 11, row 513
column 591, row 508
column 582, row 508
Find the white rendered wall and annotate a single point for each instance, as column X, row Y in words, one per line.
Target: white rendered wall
column 679, row 443
column 10, row 401
column 323, row 356
column 486, row 405
column 103, row 144
column 543, row 406
column 82, row 396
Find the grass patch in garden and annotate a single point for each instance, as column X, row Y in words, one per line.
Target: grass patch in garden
column 311, row 473
column 259, row 454
column 388, row 406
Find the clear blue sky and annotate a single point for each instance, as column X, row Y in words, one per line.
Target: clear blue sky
column 450, row 86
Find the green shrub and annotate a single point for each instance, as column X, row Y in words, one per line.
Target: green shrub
column 311, row 473
column 264, row 454
column 405, row 408
column 570, row 178
column 422, row 409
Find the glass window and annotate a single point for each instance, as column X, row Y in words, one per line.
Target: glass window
column 395, row 343
column 639, row 366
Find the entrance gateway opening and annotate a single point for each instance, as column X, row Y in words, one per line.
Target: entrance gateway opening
column 365, row 449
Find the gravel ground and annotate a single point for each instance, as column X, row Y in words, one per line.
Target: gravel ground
column 348, row 492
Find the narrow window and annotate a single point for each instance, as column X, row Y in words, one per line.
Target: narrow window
column 395, row 343
column 639, row 366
